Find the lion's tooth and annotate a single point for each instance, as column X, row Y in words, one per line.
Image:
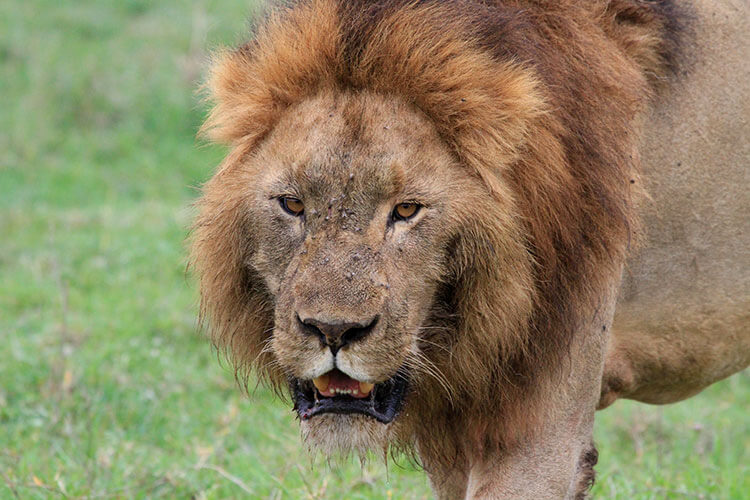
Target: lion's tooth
column 365, row 387
column 322, row 382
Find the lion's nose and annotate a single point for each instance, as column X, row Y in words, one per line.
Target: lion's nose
column 337, row 334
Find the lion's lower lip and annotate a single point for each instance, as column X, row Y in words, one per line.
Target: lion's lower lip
column 383, row 405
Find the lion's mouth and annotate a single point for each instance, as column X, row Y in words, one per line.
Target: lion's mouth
column 336, row 392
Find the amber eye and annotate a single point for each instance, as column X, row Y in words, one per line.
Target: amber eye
column 405, row 211
column 292, row 206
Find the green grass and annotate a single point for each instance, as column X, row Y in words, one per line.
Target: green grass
column 106, row 388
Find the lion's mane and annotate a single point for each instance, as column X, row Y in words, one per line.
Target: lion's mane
column 541, row 100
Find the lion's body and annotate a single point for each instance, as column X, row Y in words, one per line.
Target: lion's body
column 515, row 132
column 683, row 317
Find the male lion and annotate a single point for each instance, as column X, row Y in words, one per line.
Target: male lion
column 421, row 227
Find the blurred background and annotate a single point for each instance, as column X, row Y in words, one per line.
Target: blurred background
column 107, row 389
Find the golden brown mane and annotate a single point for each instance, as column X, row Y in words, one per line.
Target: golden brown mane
column 536, row 98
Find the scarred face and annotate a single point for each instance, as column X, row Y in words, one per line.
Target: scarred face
column 352, row 201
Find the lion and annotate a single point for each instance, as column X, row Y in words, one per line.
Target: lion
column 456, row 229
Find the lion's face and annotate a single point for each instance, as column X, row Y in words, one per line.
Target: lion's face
column 354, row 204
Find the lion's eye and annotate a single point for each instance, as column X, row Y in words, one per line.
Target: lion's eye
column 405, row 211
column 292, row 206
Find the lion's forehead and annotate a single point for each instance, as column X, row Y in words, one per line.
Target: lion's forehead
column 360, row 148
column 347, row 176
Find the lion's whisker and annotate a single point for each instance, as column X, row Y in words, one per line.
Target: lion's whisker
column 419, row 361
column 435, row 344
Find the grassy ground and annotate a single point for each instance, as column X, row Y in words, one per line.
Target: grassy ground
column 106, row 388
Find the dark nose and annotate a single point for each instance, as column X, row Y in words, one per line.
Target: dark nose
column 337, row 334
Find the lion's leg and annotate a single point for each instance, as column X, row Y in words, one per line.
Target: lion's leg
column 558, row 461
column 557, row 466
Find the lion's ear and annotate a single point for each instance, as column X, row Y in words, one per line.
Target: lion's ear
column 293, row 54
column 649, row 33
column 235, row 304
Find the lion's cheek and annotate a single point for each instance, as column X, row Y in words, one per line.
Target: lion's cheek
column 373, row 361
column 301, row 359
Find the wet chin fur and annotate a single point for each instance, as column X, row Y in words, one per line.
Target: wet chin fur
column 341, row 435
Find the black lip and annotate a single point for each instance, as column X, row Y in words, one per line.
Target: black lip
column 384, row 404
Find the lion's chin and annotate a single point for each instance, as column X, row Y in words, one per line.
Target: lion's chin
column 341, row 435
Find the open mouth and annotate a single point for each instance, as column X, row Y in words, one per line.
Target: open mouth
column 336, row 392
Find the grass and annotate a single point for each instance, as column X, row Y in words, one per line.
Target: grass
column 106, row 388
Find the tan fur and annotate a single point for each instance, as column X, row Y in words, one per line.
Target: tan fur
column 683, row 319
column 517, row 125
